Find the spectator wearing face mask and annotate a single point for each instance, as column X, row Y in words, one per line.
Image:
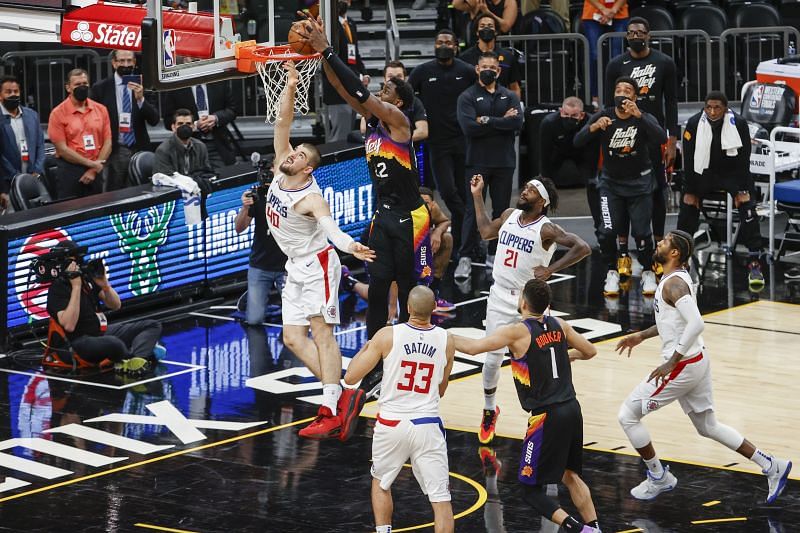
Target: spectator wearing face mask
column 129, row 113
column 81, row 131
column 438, row 83
column 502, row 12
column 182, row 153
column 626, row 181
column 490, row 116
column 562, row 161
column 21, row 138
column 510, row 72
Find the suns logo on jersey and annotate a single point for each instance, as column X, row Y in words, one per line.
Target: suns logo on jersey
column 520, row 372
column 527, row 471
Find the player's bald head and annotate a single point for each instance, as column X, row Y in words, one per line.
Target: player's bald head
column 421, row 301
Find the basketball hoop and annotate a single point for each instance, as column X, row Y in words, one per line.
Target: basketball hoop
column 268, row 61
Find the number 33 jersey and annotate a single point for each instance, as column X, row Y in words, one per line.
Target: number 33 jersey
column 413, row 371
column 519, row 250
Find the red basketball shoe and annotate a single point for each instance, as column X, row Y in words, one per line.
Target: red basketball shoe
column 350, row 404
column 486, row 432
column 324, row 426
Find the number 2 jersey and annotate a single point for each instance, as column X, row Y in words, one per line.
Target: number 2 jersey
column 413, row 371
column 519, row 250
column 297, row 235
column 393, row 167
column 543, row 376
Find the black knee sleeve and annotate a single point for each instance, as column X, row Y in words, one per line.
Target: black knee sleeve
column 644, row 247
column 536, row 496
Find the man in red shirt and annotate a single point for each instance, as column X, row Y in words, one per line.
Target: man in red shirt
column 81, row 131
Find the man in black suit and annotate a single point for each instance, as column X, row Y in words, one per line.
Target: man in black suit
column 129, row 114
column 213, row 107
column 340, row 114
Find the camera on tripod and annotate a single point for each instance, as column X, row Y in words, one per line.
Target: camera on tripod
column 263, row 167
column 52, row 265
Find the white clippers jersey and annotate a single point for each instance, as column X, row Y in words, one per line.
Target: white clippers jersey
column 413, row 371
column 519, row 250
column 297, row 235
column 669, row 321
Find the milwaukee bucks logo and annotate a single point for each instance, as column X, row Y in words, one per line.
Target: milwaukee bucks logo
column 140, row 235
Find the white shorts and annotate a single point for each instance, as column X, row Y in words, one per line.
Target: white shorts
column 312, row 288
column 422, row 440
column 502, row 308
column 691, row 386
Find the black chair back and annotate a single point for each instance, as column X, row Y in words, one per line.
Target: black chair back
column 709, row 18
column 27, row 192
column 140, row 169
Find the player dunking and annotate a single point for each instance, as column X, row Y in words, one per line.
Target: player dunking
column 552, row 451
column 526, row 241
column 300, row 220
column 685, row 376
column 400, row 227
column 417, row 358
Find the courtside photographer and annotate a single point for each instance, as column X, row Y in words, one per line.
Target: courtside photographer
column 76, row 298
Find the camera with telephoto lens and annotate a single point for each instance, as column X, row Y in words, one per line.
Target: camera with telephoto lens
column 52, row 265
column 263, row 166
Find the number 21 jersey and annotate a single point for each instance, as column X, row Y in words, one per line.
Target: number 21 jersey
column 413, row 371
column 519, row 250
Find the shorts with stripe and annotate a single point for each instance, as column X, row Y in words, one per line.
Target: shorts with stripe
column 401, row 240
column 553, row 443
column 689, row 383
column 422, row 440
column 312, row 288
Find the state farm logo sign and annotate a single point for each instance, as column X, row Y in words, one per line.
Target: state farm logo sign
column 102, row 35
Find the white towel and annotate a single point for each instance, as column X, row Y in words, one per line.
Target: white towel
column 189, row 190
column 731, row 141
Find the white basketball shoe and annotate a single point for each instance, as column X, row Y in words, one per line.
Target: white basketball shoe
column 651, row 487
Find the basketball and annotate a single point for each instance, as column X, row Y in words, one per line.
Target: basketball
column 296, row 40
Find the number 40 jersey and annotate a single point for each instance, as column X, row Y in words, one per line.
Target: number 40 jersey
column 412, row 372
column 519, row 250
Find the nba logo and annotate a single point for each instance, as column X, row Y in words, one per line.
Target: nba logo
column 755, row 99
column 169, row 48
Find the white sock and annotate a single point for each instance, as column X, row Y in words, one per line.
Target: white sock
column 762, row 459
column 654, row 466
column 383, row 529
column 489, row 401
column 330, row 396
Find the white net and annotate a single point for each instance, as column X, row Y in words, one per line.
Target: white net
column 273, row 75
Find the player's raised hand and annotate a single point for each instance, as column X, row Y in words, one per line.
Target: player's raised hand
column 315, row 32
column 292, row 76
column 628, row 342
column 476, row 184
column 601, row 124
column 362, row 252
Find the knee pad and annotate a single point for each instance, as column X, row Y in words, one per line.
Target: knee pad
column 707, row 426
column 631, row 422
column 536, row 496
column 491, row 369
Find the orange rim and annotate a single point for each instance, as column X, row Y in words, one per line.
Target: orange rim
column 248, row 55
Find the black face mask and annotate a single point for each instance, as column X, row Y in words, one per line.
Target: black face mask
column 487, row 77
column 444, row 53
column 637, row 45
column 81, row 93
column 569, row 124
column 342, row 8
column 11, row 103
column 619, row 100
column 125, row 71
column 183, row 132
column 486, row 35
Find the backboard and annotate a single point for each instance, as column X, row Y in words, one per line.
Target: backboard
column 186, row 42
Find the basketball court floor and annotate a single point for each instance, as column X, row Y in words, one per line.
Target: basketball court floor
column 208, row 442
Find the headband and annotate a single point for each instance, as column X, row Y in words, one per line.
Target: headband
column 542, row 191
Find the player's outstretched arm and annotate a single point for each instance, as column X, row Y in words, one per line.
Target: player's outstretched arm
column 488, row 228
column 369, row 355
column 451, row 353
column 577, row 249
column 581, row 348
column 635, row 339
column 316, row 206
column 502, row 337
column 283, row 125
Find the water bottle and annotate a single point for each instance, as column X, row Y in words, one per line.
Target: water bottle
column 792, row 50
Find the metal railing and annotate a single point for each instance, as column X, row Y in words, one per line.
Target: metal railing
column 742, row 49
column 555, row 66
column 691, row 51
column 392, row 32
